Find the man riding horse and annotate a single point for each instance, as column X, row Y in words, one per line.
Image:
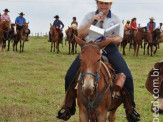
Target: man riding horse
column 20, row 21
column 106, row 20
column 5, row 17
column 151, row 25
column 58, row 23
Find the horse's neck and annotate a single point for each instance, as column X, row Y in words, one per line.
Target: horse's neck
column 2, row 25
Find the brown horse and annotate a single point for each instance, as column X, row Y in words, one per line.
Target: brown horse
column 125, row 41
column 54, row 38
column 154, row 83
column 161, row 38
column 70, row 32
column 21, row 37
column 94, row 87
column 4, row 28
column 138, row 38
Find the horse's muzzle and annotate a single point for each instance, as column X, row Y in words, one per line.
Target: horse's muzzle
column 88, row 90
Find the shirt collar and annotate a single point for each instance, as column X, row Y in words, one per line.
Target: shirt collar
column 109, row 14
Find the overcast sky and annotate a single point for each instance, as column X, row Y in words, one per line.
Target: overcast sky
column 40, row 13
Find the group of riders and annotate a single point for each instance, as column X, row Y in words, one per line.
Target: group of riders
column 19, row 22
column 131, row 27
column 58, row 24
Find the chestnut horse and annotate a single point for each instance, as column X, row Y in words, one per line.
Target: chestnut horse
column 54, row 38
column 70, row 32
column 138, row 38
column 154, row 83
column 4, row 28
column 161, row 38
column 125, row 41
column 94, row 87
column 21, row 37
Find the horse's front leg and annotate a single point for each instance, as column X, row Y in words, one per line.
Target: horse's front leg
column 111, row 117
column 75, row 48
column 101, row 115
column 156, row 48
column 83, row 115
column 9, row 44
column 23, row 46
column 57, row 46
column 51, row 46
column 20, row 46
column 69, row 46
column 72, row 51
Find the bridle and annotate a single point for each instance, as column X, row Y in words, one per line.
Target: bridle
column 97, row 99
column 90, row 73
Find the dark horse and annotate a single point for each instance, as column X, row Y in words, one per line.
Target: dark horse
column 154, row 85
column 94, row 94
column 55, row 38
column 4, row 28
column 12, row 35
column 155, row 35
column 71, row 32
column 21, row 37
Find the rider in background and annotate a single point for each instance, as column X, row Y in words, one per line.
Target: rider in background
column 133, row 28
column 127, row 26
column 58, row 23
column 20, row 21
column 151, row 25
column 5, row 16
column 160, row 27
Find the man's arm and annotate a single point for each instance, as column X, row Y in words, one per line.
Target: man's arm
column 62, row 25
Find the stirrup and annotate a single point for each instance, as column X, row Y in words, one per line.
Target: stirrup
column 135, row 115
column 64, row 114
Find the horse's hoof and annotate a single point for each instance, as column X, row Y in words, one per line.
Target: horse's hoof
column 63, row 114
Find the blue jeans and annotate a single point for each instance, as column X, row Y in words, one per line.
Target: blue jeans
column 115, row 59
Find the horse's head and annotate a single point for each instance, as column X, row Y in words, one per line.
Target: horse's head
column 52, row 29
column 90, row 57
column 25, row 28
column 156, row 34
column 13, row 29
column 143, row 29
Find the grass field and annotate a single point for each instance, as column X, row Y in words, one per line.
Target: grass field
column 32, row 83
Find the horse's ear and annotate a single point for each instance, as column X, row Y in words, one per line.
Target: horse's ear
column 28, row 23
column 104, row 43
column 80, row 41
column 50, row 24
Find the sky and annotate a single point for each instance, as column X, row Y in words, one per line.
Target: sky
column 40, row 13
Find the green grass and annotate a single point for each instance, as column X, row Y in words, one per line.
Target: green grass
column 32, row 83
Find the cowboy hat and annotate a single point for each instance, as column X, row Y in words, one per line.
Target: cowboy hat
column 6, row 10
column 106, row 1
column 21, row 13
column 56, row 16
column 128, row 20
column 152, row 18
